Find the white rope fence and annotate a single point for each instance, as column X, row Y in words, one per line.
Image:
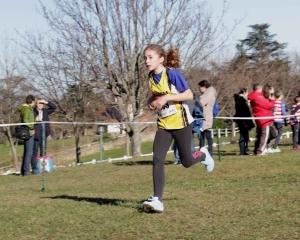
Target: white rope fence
column 150, row 122
column 220, row 132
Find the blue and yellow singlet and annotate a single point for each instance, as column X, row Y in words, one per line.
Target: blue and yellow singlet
column 174, row 115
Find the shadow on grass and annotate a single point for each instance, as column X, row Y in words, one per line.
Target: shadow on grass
column 16, row 174
column 287, row 144
column 134, row 163
column 100, row 201
column 224, row 153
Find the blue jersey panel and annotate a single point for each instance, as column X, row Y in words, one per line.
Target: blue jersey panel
column 175, row 77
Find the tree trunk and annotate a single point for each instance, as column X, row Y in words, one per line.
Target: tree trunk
column 232, row 137
column 14, row 151
column 60, row 135
column 12, row 145
column 127, row 140
column 136, row 143
column 78, row 131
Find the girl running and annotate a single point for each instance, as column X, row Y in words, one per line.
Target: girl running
column 169, row 93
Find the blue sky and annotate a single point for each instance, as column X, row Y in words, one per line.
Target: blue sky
column 284, row 17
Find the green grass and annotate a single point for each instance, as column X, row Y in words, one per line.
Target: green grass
column 248, row 197
column 117, row 153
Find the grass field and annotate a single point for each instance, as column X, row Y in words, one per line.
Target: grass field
column 246, row 197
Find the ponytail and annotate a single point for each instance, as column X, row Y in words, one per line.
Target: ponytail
column 171, row 57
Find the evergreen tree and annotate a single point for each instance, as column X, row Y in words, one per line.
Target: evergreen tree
column 259, row 48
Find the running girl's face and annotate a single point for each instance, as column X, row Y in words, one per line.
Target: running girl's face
column 153, row 61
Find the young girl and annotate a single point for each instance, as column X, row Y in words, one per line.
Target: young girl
column 169, row 93
column 279, row 120
column 294, row 120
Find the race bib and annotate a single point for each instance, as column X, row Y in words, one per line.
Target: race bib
column 167, row 110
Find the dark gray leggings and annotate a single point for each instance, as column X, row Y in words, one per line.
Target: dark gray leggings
column 278, row 126
column 295, row 130
column 162, row 142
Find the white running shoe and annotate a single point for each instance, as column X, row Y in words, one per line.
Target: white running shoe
column 269, row 150
column 177, row 162
column 153, row 205
column 265, row 152
column 262, row 154
column 276, row 150
column 208, row 162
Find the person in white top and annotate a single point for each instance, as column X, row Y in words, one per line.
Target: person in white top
column 41, row 114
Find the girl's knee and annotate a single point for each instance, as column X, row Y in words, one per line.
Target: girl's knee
column 158, row 161
column 185, row 164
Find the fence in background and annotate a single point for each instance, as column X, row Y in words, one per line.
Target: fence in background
column 227, row 132
column 93, row 147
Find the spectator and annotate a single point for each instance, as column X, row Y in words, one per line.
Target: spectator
column 27, row 116
column 242, row 110
column 299, row 123
column 198, row 121
column 41, row 114
column 207, row 99
column 279, row 113
column 294, row 121
column 261, row 108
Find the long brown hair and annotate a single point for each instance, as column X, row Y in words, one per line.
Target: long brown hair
column 266, row 91
column 171, row 57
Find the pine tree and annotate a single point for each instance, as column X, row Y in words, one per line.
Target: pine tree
column 259, row 48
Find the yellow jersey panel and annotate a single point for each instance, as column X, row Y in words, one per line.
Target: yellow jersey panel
column 174, row 115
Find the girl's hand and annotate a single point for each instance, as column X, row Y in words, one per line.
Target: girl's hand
column 159, row 102
column 151, row 107
column 150, row 100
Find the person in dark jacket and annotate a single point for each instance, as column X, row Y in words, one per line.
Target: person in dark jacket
column 242, row 110
column 41, row 114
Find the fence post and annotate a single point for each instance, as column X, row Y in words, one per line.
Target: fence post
column 219, row 132
column 226, row 132
column 212, row 133
column 288, row 134
column 218, row 143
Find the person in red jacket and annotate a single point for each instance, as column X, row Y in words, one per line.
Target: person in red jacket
column 261, row 107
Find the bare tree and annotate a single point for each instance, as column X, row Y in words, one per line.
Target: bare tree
column 59, row 72
column 292, row 87
column 108, row 38
column 11, row 94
